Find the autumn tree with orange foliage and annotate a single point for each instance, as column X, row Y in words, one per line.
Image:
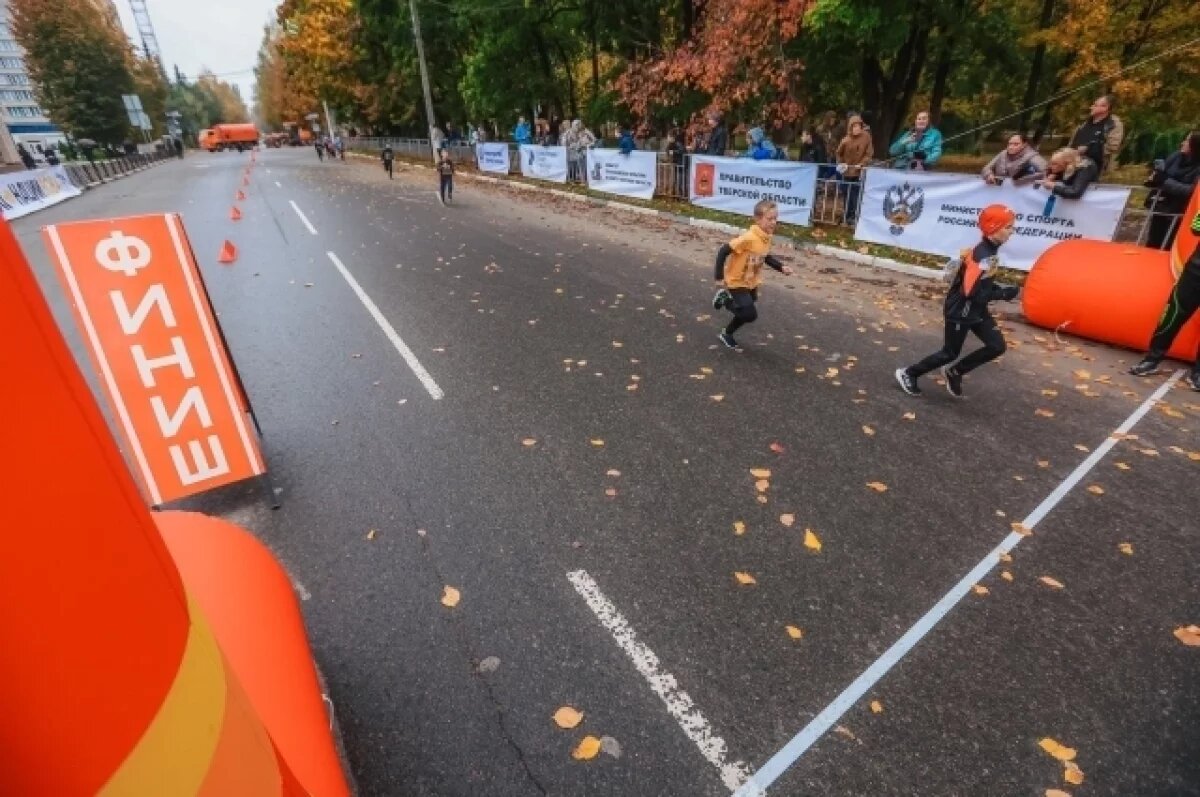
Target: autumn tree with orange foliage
column 734, row 61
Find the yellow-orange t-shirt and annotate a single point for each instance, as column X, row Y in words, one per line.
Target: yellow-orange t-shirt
column 743, row 269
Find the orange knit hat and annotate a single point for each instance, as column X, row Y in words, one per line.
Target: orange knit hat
column 995, row 217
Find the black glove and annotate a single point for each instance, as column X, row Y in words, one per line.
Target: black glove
column 1156, row 179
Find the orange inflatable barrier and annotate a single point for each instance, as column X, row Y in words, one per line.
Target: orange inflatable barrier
column 1110, row 292
column 114, row 679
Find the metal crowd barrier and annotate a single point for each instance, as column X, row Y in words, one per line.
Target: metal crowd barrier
column 836, row 202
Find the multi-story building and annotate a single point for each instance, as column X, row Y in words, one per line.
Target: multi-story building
column 25, row 122
column 22, row 121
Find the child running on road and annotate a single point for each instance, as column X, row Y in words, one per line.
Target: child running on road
column 972, row 286
column 739, row 270
column 1182, row 304
column 388, row 156
column 445, row 170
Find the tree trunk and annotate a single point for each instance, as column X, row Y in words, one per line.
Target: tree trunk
column 571, row 98
column 595, row 61
column 891, row 100
column 1036, row 67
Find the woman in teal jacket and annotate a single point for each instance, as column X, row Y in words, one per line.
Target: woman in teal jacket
column 919, row 147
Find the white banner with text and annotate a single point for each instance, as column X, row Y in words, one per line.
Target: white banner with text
column 492, row 157
column 634, row 175
column 939, row 213
column 736, row 185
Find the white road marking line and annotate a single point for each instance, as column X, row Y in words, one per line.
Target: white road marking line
column 389, row 330
column 679, row 703
column 303, row 218
column 791, row 752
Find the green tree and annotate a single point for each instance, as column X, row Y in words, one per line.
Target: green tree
column 79, row 63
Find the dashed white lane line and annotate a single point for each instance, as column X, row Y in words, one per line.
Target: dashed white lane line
column 679, row 703
column 303, row 218
column 430, row 385
column 820, row 724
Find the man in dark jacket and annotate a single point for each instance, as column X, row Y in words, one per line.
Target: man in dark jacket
column 1181, row 306
column 972, row 287
column 1100, row 137
column 1172, row 182
column 718, row 136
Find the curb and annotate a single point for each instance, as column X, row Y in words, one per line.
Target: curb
column 845, row 255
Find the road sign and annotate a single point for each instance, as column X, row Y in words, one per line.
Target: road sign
column 140, row 301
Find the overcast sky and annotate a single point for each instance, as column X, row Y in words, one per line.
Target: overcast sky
column 222, row 35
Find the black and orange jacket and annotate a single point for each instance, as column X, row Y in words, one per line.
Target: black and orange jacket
column 973, row 285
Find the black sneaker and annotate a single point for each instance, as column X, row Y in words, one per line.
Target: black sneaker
column 1193, row 379
column 907, row 383
column 953, row 382
column 720, row 298
column 1147, row 367
column 728, row 340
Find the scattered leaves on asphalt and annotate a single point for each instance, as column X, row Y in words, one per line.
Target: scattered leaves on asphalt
column 371, row 534
column 909, row 416
column 760, row 473
column 1057, row 750
column 1051, row 582
column 762, row 485
column 876, row 707
column 1021, row 528
column 745, row 579
column 588, row 748
column 739, row 528
column 776, row 447
column 811, row 541
column 1072, row 773
column 1095, row 489
column 450, row 597
column 868, row 431
column 1044, row 413
column 878, row 487
column 787, row 519
column 1189, row 635
column 1007, row 576
column 529, row 441
column 979, row 589
column 718, row 397
column 793, row 631
column 613, row 472
column 567, row 717
column 1126, row 548
column 598, row 443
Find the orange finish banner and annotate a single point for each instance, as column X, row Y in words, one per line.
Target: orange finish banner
column 139, row 300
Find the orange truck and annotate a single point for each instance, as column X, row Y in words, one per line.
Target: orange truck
column 221, row 137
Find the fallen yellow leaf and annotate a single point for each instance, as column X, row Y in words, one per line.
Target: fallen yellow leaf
column 1072, row 773
column 1021, row 528
column 1082, row 374
column 567, row 718
column 739, row 528
column 762, row 485
column 1057, row 793
column 909, row 416
column 878, row 487
column 1095, row 489
column 1050, row 393
column 762, row 499
column 745, row 579
column 1006, row 558
column 611, row 492
column 1007, row 576
column 617, row 344
column 1126, row 548
column 760, row 473
column 868, row 431
column 776, row 447
column 589, row 748
column 1122, row 466
column 876, row 707
column 1043, row 463
column 793, row 631
column 718, row 397
column 450, row 597
column 598, row 443
column 1059, row 751
column 614, row 472
column 1043, row 413
column 1189, row 635
column 1053, row 583
column 529, row 441
column 705, row 370
column 811, row 541
column 979, row 589
column 787, row 519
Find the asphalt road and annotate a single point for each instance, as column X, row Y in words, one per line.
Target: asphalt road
column 583, row 478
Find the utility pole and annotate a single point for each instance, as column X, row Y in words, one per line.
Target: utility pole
column 416, row 21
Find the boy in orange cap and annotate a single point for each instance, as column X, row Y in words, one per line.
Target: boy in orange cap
column 972, row 286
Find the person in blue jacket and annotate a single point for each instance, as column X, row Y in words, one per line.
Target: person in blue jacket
column 522, row 134
column 626, row 143
column 919, row 147
column 761, row 147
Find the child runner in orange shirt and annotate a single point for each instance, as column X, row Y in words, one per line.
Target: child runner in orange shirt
column 739, row 270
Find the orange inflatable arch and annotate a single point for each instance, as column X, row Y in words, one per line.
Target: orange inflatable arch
column 1112, row 292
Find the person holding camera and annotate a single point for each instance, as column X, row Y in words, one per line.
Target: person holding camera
column 1172, row 183
column 919, row 147
column 1068, row 175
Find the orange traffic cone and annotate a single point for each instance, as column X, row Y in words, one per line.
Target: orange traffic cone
column 228, row 253
column 241, row 196
column 235, row 213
